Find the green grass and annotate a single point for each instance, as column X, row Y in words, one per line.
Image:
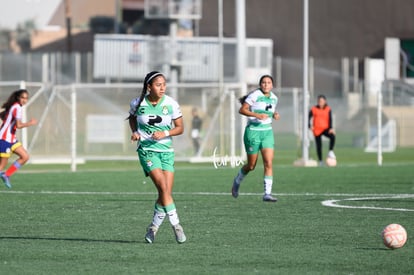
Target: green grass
column 46, row 230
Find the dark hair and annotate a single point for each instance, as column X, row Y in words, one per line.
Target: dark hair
column 265, row 76
column 147, row 80
column 321, row 96
column 243, row 98
column 13, row 98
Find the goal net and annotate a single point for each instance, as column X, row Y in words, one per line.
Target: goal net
column 84, row 122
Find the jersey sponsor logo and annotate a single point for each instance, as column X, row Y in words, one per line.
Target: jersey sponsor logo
column 268, row 107
column 152, row 119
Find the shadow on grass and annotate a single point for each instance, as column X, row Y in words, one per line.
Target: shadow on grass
column 69, row 239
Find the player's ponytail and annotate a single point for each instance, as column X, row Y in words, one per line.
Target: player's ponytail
column 243, row 99
column 147, row 80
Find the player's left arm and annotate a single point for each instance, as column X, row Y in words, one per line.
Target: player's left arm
column 176, row 131
column 331, row 129
column 276, row 115
column 178, row 127
column 20, row 124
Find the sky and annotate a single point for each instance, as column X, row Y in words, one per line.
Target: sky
column 13, row 12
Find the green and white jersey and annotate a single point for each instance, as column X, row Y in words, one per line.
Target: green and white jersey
column 152, row 119
column 261, row 104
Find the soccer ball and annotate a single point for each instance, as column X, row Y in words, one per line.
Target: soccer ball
column 394, row 236
column 331, row 162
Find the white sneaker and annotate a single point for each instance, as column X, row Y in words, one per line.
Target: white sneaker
column 151, row 231
column 179, row 234
column 331, row 155
column 269, row 198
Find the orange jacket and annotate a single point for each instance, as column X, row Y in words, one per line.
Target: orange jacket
column 322, row 119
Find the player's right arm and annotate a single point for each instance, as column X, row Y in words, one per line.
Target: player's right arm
column 133, row 124
column 245, row 110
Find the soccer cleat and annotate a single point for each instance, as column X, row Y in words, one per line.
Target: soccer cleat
column 331, row 155
column 6, row 180
column 179, row 233
column 151, row 231
column 235, row 189
column 269, row 198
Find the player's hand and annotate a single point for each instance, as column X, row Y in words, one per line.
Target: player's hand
column 33, row 121
column 158, row 135
column 331, row 131
column 276, row 116
column 135, row 136
column 262, row 116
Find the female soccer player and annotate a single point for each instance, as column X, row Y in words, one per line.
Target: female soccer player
column 322, row 126
column 260, row 108
column 151, row 118
column 12, row 120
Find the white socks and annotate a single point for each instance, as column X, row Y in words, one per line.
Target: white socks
column 159, row 215
column 268, row 183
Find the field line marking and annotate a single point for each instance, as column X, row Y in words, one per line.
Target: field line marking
column 335, row 203
column 45, row 192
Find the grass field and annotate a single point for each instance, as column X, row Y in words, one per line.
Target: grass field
column 93, row 221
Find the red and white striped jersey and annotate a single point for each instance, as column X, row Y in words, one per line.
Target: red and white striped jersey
column 8, row 128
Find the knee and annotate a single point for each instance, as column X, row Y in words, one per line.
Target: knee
column 268, row 164
column 24, row 159
column 249, row 167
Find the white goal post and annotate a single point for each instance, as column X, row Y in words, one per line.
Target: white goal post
column 81, row 122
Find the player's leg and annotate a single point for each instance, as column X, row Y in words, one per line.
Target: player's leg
column 332, row 138
column 251, row 144
column 152, row 167
column 318, row 145
column 4, row 158
column 249, row 166
column 167, row 160
column 19, row 150
column 3, row 163
column 196, row 145
column 171, row 209
column 267, row 152
column 159, row 214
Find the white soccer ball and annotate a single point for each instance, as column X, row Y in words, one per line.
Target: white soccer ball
column 331, row 162
column 394, row 236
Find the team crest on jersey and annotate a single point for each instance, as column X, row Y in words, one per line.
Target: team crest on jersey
column 149, row 163
column 165, row 110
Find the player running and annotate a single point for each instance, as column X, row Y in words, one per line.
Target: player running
column 12, row 120
column 151, row 118
column 260, row 108
column 322, row 126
